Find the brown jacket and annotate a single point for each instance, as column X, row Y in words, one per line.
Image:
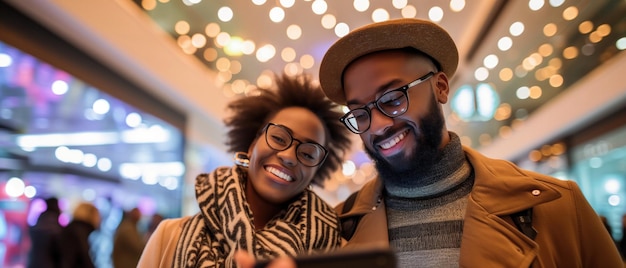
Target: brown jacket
column 569, row 232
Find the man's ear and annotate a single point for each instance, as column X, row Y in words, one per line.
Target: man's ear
column 442, row 87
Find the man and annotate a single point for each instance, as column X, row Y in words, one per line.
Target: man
column 437, row 203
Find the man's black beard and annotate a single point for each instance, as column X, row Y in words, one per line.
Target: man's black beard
column 425, row 154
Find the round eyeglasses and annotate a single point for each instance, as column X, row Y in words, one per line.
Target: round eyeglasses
column 392, row 104
column 279, row 138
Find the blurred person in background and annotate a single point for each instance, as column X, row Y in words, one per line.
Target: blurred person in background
column 152, row 225
column 285, row 140
column 45, row 237
column 128, row 243
column 76, row 249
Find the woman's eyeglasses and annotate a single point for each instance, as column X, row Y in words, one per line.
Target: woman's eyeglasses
column 279, row 138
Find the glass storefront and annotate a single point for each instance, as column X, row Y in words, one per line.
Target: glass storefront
column 595, row 158
column 62, row 137
column 599, row 167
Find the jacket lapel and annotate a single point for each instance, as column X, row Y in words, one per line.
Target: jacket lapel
column 500, row 189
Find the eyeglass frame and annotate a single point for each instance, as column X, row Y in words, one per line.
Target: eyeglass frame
column 369, row 106
column 288, row 131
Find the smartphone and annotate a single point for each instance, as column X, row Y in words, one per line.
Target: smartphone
column 374, row 258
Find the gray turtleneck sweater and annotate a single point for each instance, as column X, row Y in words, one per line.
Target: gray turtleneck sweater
column 426, row 219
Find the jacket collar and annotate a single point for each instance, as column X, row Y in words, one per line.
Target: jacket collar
column 501, row 188
column 369, row 198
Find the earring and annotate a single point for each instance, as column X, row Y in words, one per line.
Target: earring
column 241, row 159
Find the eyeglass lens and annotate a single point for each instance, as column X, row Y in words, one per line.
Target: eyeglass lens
column 392, row 104
column 279, row 138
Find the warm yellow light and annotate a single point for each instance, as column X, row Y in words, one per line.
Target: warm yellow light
column 570, row 52
column 506, row 74
column 328, row 21
column 238, row 86
column 409, row 11
column 307, row 61
column 604, row 30
column 541, row 74
column 222, row 64
column 399, row 4
column 555, row 63
column 198, row 40
column 558, row 149
column 503, row 112
column 535, row 92
column 585, row 27
column 536, row 59
column 222, row 39
column 292, row 68
column 148, row 4
column 210, row 54
column 457, row 5
column 265, row 53
column 535, row 155
column 594, row 37
column 264, row 81
column 248, row 47
column 181, row 27
column 212, row 29
column 234, row 47
column 545, row 50
column 528, row 64
column 570, row 13
column 288, row 54
column 550, row 29
column 294, row 32
column 556, row 80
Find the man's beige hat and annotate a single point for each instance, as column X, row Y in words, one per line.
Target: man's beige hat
column 423, row 35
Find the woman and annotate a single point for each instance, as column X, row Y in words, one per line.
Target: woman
column 285, row 140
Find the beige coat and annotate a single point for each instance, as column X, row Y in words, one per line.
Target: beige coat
column 569, row 232
column 159, row 252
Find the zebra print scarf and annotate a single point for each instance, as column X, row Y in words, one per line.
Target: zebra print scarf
column 224, row 224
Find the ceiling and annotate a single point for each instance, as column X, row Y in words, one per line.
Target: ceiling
column 476, row 28
column 137, row 38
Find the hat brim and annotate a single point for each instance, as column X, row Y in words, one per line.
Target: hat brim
column 422, row 35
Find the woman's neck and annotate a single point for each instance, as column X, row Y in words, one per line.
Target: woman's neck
column 262, row 210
